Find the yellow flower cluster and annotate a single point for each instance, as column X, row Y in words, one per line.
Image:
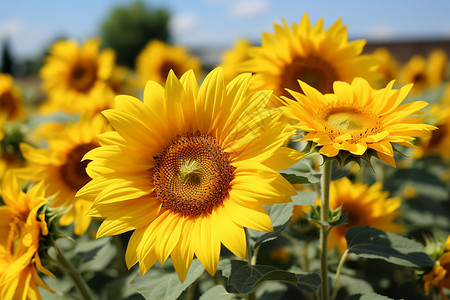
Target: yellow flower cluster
column 439, row 276
column 191, row 167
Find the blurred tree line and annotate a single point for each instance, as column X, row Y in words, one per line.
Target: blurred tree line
column 126, row 29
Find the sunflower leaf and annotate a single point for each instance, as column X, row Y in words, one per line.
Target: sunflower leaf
column 95, row 254
column 299, row 179
column 369, row 296
column 301, row 173
column 243, row 278
column 369, row 242
column 163, row 283
column 280, row 215
column 217, row 292
column 304, row 198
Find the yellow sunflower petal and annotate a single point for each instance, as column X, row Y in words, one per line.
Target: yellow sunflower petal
column 206, row 244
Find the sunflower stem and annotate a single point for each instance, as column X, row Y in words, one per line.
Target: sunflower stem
column 251, row 258
column 338, row 273
column 66, row 266
column 324, row 213
column 305, row 256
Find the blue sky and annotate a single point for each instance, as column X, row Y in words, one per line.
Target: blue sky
column 32, row 24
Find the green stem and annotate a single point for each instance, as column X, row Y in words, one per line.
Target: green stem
column 338, row 273
column 66, row 266
column 190, row 291
column 324, row 213
column 305, row 256
column 251, row 261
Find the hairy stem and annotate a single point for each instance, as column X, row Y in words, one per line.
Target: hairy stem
column 305, row 256
column 66, row 266
column 251, row 261
column 338, row 273
column 324, row 213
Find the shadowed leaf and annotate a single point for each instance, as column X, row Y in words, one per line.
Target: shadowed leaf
column 163, row 283
column 244, row 278
column 373, row 243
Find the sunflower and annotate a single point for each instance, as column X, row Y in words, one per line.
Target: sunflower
column 71, row 73
column 188, row 169
column 233, row 57
column 309, row 54
column 439, row 276
column 21, row 228
column 100, row 98
column 122, row 80
column 62, row 169
column 439, row 140
column 389, row 66
column 357, row 121
column 11, row 102
column 157, row 58
column 365, row 205
column 425, row 73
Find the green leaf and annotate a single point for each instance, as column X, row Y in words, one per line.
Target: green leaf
column 373, row 243
column 352, row 284
column 96, row 255
column 244, row 278
column 298, row 179
column 304, row 198
column 217, row 292
column 280, row 215
column 370, row 296
column 335, row 217
column 88, row 249
column 300, row 173
column 163, row 283
column 271, row 290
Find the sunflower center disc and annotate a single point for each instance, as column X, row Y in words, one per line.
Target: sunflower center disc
column 192, row 175
column 73, row 171
column 8, row 104
column 346, row 121
column 313, row 70
column 357, row 121
column 166, row 66
column 83, row 76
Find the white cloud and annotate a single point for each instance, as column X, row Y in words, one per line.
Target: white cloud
column 248, row 8
column 26, row 40
column 381, row 32
column 11, row 28
column 183, row 22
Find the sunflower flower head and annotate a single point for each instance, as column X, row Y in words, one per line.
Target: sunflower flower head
column 357, row 122
column 11, row 102
column 439, row 276
column 439, row 140
column 307, row 53
column 424, row 72
column 22, row 227
column 72, row 72
column 188, row 169
column 389, row 66
column 234, row 57
column 364, row 205
column 157, row 58
column 61, row 167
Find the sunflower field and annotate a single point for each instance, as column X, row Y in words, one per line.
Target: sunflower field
column 300, row 167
